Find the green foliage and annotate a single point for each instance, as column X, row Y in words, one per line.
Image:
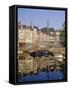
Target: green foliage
column 63, row 30
column 62, row 33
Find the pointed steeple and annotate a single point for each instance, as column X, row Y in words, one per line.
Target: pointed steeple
column 48, row 26
column 31, row 25
column 47, row 23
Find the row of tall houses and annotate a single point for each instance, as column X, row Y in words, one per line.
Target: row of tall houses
column 29, row 37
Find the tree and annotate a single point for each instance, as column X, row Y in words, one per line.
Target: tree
column 62, row 34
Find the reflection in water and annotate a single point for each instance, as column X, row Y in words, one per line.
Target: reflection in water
column 40, row 65
column 56, row 75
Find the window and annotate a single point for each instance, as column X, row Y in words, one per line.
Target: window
column 20, row 57
column 21, row 45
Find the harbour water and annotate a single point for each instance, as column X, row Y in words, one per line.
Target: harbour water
column 50, row 75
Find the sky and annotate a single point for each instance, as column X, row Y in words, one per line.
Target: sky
column 40, row 17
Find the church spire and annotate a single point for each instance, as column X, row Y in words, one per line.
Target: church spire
column 31, row 25
column 47, row 23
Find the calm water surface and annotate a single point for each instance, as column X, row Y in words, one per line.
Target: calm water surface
column 56, row 75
